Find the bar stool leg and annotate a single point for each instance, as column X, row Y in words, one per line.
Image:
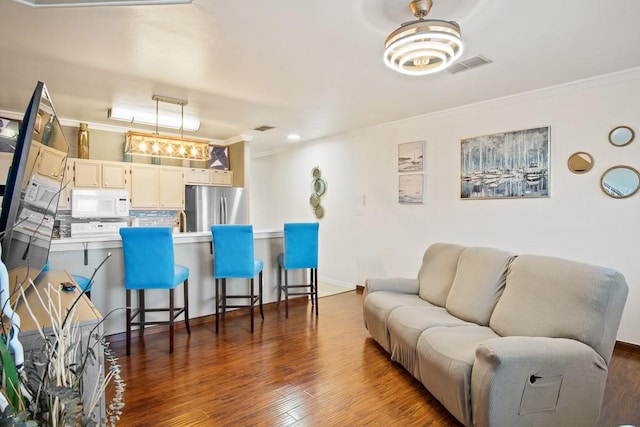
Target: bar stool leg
column 314, row 274
column 252, row 302
column 217, row 305
column 171, row 315
column 128, row 309
column 286, row 293
column 141, row 312
column 186, row 305
column 260, row 290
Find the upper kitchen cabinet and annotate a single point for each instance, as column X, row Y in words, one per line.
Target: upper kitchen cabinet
column 144, row 186
column 157, row 187
column 171, row 188
column 87, row 173
column 50, row 162
column 196, row 176
column 222, row 178
column 115, row 175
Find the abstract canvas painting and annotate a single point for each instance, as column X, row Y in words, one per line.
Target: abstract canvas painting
column 505, row 165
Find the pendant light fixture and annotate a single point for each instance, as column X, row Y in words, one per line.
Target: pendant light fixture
column 424, row 46
column 171, row 147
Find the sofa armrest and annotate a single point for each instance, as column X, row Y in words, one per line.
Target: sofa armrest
column 393, row 284
column 536, row 381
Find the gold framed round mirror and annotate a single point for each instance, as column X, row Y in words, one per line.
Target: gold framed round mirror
column 620, row 181
column 621, row 136
column 580, row 162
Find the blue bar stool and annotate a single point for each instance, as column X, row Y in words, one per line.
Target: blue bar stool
column 300, row 252
column 149, row 264
column 234, row 257
column 84, row 283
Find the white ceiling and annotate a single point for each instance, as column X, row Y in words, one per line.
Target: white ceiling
column 310, row 67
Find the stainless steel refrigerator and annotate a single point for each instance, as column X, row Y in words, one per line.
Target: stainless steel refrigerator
column 206, row 206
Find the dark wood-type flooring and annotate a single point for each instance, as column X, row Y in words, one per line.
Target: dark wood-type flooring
column 304, row 371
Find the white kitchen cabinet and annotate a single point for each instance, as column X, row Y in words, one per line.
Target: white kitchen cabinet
column 144, row 186
column 87, row 173
column 115, row 175
column 220, row 177
column 50, row 162
column 195, row 176
column 157, row 187
column 171, row 188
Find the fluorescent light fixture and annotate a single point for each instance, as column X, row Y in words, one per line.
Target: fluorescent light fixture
column 164, row 119
column 293, row 137
column 85, row 3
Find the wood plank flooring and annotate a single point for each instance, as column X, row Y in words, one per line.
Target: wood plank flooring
column 304, row 371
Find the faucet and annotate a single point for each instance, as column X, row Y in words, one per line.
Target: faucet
column 181, row 221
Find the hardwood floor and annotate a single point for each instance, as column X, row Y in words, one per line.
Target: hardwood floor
column 304, row 371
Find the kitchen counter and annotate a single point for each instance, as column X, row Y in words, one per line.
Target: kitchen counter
column 81, row 255
column 114, row 241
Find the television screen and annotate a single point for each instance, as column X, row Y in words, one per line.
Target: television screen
column 32, row 188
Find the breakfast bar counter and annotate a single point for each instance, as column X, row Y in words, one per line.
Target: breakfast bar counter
column 80, row 256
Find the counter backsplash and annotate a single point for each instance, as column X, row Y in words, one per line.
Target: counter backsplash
column 140, row 218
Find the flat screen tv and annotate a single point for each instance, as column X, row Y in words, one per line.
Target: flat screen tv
column 33, row 184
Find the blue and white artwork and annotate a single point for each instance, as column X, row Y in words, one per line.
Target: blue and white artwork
column 505, row 165
column 411, row 188
column 411, row 156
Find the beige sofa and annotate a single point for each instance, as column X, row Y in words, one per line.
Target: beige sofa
column 502, row 340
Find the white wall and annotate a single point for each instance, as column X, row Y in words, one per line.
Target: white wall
column 578, row 221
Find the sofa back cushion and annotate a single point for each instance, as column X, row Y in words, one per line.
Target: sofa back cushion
column 437, row 272
column 479, row 282
column 558, row 298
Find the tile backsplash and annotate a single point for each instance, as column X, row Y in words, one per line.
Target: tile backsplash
column 158, row 218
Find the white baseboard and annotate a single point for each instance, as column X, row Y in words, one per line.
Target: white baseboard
column 337, row 283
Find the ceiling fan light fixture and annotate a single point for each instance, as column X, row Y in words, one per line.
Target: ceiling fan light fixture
column 424, row 46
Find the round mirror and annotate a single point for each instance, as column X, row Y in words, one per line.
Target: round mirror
column 621, row 136
column 316, row 173
column 314, row 200
column 580, row 162
column 620, row 181
column 319, row 186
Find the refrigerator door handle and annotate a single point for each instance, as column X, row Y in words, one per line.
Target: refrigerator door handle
column 224, row 218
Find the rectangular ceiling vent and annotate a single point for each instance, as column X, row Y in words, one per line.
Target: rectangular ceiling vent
column 264, row 128
column 467, row 64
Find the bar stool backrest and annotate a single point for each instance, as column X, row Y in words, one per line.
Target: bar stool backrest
column 300, row 245
column 148, row 257
column 233, row 254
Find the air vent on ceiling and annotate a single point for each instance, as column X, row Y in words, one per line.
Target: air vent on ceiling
column 467, row 64
column 264, row 128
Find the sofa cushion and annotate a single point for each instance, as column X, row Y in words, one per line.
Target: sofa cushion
column 438, row 269
column 445, row 360
column 551, row 297
column 478, row 284
column 405, row 326
column 376, row 309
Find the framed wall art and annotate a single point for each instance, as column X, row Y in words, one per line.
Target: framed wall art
column 219, row 157
column 411, row 189
column 505, row 165
column 411, row 156
column 9, row 129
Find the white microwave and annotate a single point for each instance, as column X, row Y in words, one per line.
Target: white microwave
column 99, row 203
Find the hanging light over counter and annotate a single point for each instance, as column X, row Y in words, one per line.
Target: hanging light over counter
column 168, row 147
